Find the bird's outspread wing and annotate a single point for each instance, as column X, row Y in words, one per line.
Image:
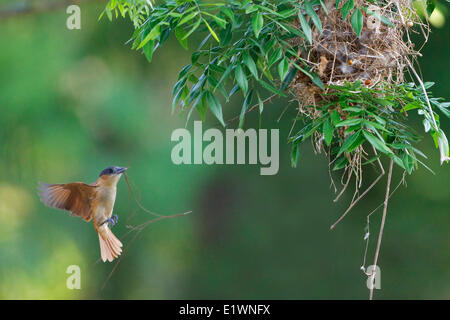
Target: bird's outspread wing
column 74, row 197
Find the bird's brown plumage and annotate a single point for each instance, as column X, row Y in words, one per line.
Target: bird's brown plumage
column 75, row 197
column 90, row 202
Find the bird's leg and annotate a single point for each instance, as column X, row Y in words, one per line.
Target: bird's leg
column 111, row 221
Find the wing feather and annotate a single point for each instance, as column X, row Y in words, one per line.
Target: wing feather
column 74, row 197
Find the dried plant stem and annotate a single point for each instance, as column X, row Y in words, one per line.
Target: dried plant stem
column 350, row 173
column 380, row 235
column 353, row 203
column 130, row 190
column 402, row 181
column 139, row 228
column 425, row 93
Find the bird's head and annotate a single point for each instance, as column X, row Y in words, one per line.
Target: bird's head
column 111, row 175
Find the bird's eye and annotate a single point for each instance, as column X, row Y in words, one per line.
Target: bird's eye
column 110, row 171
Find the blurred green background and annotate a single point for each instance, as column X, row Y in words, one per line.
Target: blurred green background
column 75, row 102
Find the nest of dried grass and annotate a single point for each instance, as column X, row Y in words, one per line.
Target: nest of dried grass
column 378, row 58
column 379, row 55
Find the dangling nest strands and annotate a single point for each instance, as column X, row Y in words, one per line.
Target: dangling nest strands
column 378, row 58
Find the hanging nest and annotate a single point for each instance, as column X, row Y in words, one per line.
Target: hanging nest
column 375, row 61
column 338, row 56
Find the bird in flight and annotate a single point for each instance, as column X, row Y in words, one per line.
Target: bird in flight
column 90, row 202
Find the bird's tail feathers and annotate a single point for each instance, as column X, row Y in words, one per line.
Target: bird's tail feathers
column 110, row 246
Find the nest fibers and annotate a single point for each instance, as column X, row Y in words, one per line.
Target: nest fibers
column 379, row 55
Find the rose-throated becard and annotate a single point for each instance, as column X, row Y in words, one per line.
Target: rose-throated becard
column 90, row 201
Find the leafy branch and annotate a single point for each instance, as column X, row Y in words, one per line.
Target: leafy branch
column 260, row 48
column 356, row 115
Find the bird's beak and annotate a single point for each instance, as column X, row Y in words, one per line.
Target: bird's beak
column 121, row 170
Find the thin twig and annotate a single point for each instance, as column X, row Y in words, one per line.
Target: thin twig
column 254, row 107
column 282, row 113
column 425, row 93
column 350, row 173
column 139, row 229
column 363, row 194
column 137, row 201
column 380, row 235
column 402, row 181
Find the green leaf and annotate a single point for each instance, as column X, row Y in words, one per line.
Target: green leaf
column 211, row 31
column 288, row 78
column 317, row 81
column 109, row 14
column 229, row 13
column 314, row 17
column 180, row 84
column 373, row 126
column 241, row 79
column 196, row 25
column 215, row 107
column 257, row 23
column 275, row 56
column 442, row 106
column 408, row 162
column 358, row 141
column 287, row 13
column 324, row 7
column 349, row 122
column 260, row 103
column 176, row 100
column 346, row 8
column 295, row 153
column 428, row 85
column 148, row 50
column 250, row 63
column 201, row 105
column 187, row 18
column 271, row 88
column 353, row 109
column 226, row 36
column 153, row 34
column 349, row 142
column 250, row 9
column 335, row 117
column 377, row 143
column 327, row 130
column 398, row 161
column 245, row 106
column 262, row 66
column 220, row 22
column 306, row 28
column 357, row 21
column 180, row 35
column 283, row 68
column 341, row 163
column 443, row 144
